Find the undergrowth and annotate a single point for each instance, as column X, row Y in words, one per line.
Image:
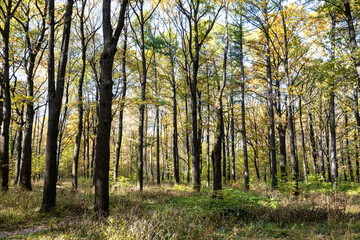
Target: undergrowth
column 176, row 212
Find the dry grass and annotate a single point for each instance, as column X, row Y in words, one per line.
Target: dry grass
column 175, row 212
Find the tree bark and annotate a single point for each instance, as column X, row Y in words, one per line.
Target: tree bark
column 313, row 144
column 55, row 94
column 219, row 130
column 6, row 98
column 243, row 120
column 270, row 103
column 102, row 154
column 291, row 121
column 305, row 162
column 122, row 106
column 347, row 148
column 333, row 160
column 80, row 107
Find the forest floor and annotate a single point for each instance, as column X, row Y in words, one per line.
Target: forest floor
column 176, row 212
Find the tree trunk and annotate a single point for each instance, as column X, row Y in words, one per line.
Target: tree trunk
column 291, row 121
column 208, row 133
column 333, row 160
column 122, row 105
column 187, row 141
column 140, row 157
column 232, row 130
column 270, row 103
column 102, row 154
column 347, row 148
column 55, row 94
column 281, row 127
column 175, row 131
column 6, row 98
column 62, row 128
column 18, row 147
column 313, row 144
column 80, row 107
column 219, row 130
column 305, row 162
column 243, row 120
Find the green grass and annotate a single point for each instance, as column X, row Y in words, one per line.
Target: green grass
column 176, row 212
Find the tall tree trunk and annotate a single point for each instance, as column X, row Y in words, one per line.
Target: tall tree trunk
column 18, row 147
column 349, row 163
column 80, row 107
column 327, row 143
column 313, row 144
column 219, row 130
column 187, row 140
column 305, row 162
column 146, row 143
column 62, row 128
column 291, row 121
column 140, row 157
column 333, row 160
column 122, row 105
column 102, row 154
column 30, row 65
column 55, row 94
column 243, row 120
column 6, row 98
column 208, row 132
column 223, row 150
column 270, row 103
column 25, row 176
column 352, row 37
column 175, row 131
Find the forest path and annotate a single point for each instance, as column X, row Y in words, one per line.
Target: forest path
column 24, row 231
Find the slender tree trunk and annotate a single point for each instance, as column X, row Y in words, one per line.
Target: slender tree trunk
column 223, row 150
column 80, row 107
column 333, row 160
column 122, row 106
column 305, row 162
column 272, row 146
column 208, row 133
column 313, row 144
column 6, row 98
column 187, row 141
column 146, row 144
column 219, row 130
column 18, row 147
column 291, row 121
column 347, row 148
column 62, row 128
column 175, row 131
column 140, row 157
column 102, row 154
column 281, row 127
column 232, row 130
column 25, row 176
column 327, row 143
column 243, row 120
column 30, row 65
column 352, row 36
column 55, row 94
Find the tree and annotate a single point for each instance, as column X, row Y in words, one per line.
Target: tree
column 34, row 44
column 102, row 155
column 194, row 11
column 142, row 19
column 219, row 129
column 8, row 11
column 55, row 95
column 122, row 104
